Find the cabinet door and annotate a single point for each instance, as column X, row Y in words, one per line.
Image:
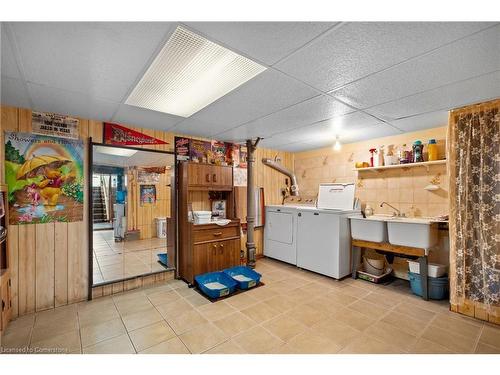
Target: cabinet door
column 199, row 175
column 200, row 259
column 213, row 256
column 222, row 176
column 230, row 254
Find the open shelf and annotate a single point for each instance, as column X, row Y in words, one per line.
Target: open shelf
column 425, row 164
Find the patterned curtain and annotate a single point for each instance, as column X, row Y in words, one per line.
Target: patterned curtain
column 474, row 167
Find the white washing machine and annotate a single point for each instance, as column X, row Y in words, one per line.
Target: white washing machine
column 323, row 234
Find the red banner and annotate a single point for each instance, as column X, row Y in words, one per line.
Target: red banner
column 115, row 134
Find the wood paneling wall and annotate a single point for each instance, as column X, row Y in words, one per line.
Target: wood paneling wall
column 143, row 217
column 50, row 261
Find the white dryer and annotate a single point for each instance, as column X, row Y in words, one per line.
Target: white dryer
column 280, row 233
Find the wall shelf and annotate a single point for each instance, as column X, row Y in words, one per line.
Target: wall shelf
column 425, row 164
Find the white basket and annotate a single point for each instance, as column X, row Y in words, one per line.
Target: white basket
column 433, row 269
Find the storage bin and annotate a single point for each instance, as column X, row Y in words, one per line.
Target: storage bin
column 438, row 287
column 433, row 269
column 202, row 217
column 376, row 279
column 245, row 277
column 161, row 227
column 215, row 284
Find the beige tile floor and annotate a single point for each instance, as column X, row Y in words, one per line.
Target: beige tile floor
column 119, row 260
column 294, row 312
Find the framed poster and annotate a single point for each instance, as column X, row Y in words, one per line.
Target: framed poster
column 201, row 151
column 54, row 125
column 243, row 157
column 45, row 178
column 182, row 146
column 148, row 194
column 219, row 209
column 219, row 152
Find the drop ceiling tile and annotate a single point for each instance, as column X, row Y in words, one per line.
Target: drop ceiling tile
column 319, row 108
column 424, row 121
column 9, row 66
column 267, row 42
column 357, row 49
column 298, row 147
column 469, row 57
column 99, row 59
column 190, row 126
column 269, row 92
column 72, row 103
column 145, row 118
column 443, row 98
column 14, row 93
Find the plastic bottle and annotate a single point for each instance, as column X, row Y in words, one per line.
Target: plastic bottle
column 432, row 150
column 418, row 152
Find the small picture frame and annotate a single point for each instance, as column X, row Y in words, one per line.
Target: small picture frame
column 219, row 208
column 148, row 194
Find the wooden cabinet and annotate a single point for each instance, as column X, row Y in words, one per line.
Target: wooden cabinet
column 209, row 177
column 206, row 247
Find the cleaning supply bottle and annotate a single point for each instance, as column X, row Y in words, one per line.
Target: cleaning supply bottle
column 432, row 150
column 418, row 152
column 372, row 156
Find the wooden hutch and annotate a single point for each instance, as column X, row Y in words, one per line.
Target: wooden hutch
column 206, row 247
column 5, row 283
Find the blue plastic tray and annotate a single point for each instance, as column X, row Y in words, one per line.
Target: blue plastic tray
column 247, row 272
column 215, row 277
column 163, row 258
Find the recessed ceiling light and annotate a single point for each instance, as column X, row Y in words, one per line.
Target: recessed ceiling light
column 115, row 151
column 189, row 73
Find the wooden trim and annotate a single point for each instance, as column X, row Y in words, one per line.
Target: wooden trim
column 406, row 250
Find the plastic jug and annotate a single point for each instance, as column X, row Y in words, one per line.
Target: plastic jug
column 432, row 150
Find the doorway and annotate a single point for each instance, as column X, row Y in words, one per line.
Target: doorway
column 132, row 213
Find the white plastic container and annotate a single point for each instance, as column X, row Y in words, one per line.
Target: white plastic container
column 433, row 269
column 161, row 227
column 202, row 217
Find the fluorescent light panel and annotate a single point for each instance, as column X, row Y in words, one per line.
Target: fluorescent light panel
column 115, row 151
column 189, row 73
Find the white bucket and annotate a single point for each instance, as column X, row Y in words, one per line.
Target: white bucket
column 161, row 227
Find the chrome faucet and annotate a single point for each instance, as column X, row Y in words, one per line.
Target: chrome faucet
column 396, row 213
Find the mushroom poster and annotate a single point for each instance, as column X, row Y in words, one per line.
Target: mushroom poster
column 45, row 178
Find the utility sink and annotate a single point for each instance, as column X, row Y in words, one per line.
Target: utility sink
column 413, row 232
column 402, row 231
column 372, row 228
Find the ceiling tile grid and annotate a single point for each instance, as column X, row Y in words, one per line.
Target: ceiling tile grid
column 71, row 103
column 357, row 49
column 96, row 59
column 406, row 74
column 281, row 38
column 267, row 93
column 469, row 57
column 319, row 108
column 456, row 95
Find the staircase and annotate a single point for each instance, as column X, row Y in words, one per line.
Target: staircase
column 98, row 206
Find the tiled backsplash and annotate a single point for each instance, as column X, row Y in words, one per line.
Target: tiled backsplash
column 401, row 187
